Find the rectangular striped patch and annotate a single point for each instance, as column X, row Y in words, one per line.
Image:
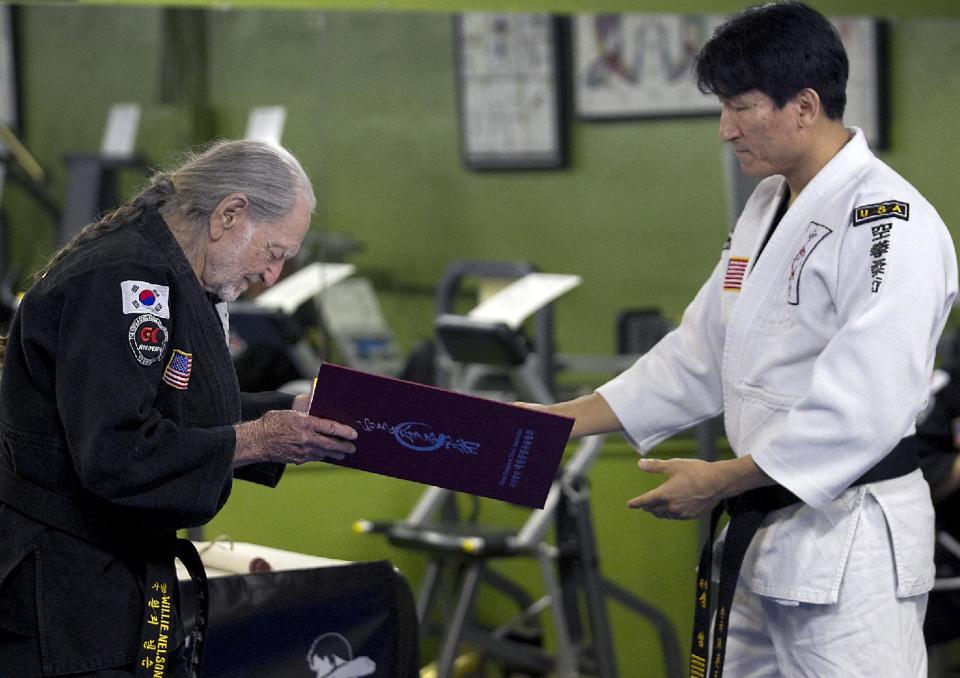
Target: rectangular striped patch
column 736, row 269
column 178, row 370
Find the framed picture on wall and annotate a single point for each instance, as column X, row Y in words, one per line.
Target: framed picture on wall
column 865, row 39
column 640, row 65
column 8, row 79
column 509, row 91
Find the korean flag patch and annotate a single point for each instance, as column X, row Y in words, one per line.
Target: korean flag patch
column 144, row 297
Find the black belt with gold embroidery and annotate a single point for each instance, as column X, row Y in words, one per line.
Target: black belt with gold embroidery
column 116, row 534
column 747, row 512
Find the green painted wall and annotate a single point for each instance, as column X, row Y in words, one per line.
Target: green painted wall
column 885, row 7
column 372, row 112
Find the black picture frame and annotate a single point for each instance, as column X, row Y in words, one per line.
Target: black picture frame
column 866, row 41
column 634, row 66
column 509, row 90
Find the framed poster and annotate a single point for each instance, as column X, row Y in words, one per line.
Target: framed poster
column 865, row 39
column 509, row 91
column 8, row 115
column 640, row 65
column 8, row 79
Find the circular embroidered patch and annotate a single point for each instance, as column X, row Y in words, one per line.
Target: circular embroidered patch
column 148, row 339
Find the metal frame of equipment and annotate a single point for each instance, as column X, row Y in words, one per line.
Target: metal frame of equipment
column 461, row 550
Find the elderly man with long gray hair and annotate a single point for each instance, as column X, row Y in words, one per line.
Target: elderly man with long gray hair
column 121, row 418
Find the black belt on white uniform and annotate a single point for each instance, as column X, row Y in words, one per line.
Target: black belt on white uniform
column 116, row 534
column 747, row 512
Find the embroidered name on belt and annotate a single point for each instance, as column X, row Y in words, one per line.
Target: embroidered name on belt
column 158, row 629
column 736, row 269
column 881, row 210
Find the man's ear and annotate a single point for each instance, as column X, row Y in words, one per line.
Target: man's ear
column 229, row 213
column 809, row 107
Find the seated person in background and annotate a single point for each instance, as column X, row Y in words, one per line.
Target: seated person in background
column 121, row 420
column 938, row 434
column 938, row 430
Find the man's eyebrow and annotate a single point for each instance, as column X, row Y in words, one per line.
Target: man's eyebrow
column 287, row 252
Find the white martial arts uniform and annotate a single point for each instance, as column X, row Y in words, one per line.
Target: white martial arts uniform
column 819, row 354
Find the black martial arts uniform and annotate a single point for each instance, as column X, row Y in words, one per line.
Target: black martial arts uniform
column 117, row 393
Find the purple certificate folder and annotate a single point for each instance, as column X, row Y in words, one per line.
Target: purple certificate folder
column 438, row 437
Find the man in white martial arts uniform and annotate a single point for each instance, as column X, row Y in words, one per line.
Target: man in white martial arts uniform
column 815, row 336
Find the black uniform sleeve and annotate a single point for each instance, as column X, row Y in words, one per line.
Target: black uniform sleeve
column 125, row 446
column 255, row 405
column 263, row 474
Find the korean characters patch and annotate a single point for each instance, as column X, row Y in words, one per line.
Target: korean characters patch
column 883, row 214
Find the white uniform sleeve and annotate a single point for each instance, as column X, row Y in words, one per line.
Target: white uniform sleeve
column 677, row 383
column 895, row 284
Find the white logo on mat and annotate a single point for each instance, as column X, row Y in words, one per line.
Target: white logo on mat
column 331, row 656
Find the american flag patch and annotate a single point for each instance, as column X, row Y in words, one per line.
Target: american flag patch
column 736, row 269
column 177, row 373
